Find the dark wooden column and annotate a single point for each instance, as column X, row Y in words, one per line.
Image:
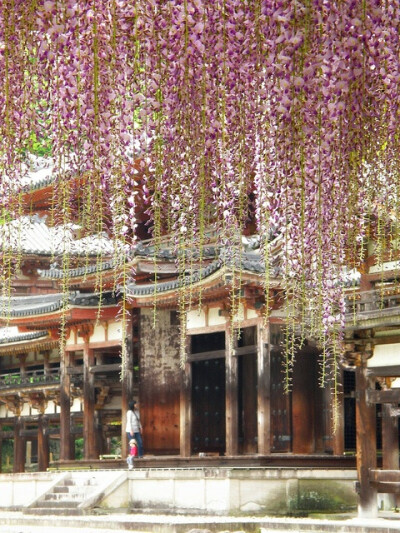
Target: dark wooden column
column 390, row 443
column 19, row 447
column 43, row 444
column 366, row 443
column 89, row 400
column 338, row 435
column 185, row 405
column 264, row 387
column 127, row 383
column 231, row 386
column 66, row 451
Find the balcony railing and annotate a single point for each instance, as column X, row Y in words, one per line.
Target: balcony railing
column 375, row 304
column 30, row 378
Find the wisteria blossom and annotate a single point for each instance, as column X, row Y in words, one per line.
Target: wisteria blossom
column 228, row 114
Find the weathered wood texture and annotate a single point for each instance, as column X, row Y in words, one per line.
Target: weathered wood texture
column 159, row 387
column 263, row 391
column 366, row 443
column 231, row 388
column 89, row 400
column 66, row 449
column 43, row 444
column 305, row 382
column 19, row 447
column 127, row 383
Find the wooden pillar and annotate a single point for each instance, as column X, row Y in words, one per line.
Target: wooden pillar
column 338, row 435
column 390, row 445
column 66, row 450
column 264, row 387
column 100, row 441
column 366, row 443
column 185, row 405
column 22, row 365
column 19, row 447
column 231, row 386
column 127, row 384
column 43, row 444
column 89, row 400
column 46, row 363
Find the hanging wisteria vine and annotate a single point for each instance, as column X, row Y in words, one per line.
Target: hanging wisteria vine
column 219, row 112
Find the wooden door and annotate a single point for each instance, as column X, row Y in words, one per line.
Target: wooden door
column 281, row 431
column 208, row 406
column 248, row 403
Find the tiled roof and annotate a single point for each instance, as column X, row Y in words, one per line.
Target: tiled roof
column 39, row 175
column 23, row 337
column 31, row 235
column 23, row 306
column 250, row 262
column 57, row 273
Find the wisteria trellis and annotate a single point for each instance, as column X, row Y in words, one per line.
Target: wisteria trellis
column 282, row 110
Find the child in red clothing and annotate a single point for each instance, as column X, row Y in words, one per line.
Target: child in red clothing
column 133, row 451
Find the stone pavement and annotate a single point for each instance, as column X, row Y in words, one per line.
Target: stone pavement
column 17, row 522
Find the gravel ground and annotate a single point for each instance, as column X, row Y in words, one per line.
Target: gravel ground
column 14, row 522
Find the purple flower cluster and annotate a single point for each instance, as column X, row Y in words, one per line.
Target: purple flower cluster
column 282, row 110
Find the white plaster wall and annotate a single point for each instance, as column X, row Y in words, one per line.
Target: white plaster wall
column 98, row 334
column 76, row 405
column 251, row 313
column 114, row 331
column 196, row 319
column 240, row 315
column 31, row 357
column 114, row 403
column 385, row 355
column 213, row 317
column 71, row 338
column 389, row 265
column 3, row 411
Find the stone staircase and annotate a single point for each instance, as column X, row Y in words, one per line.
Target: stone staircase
column 68, row 496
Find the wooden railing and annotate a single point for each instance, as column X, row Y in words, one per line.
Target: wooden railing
column 368, row 303
column 30, row 378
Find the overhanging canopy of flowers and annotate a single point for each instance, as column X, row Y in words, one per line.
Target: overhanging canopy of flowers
column 275, row 116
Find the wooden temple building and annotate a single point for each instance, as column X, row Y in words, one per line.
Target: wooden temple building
column 221, row 399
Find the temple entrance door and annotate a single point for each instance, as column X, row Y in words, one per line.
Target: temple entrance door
column 247, row 405
column 281, row 427
column 208, row 406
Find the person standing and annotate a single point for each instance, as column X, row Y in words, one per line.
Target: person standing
column 134, row 426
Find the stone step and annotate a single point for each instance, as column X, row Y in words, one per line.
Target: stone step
column 59, row 489
column 57, row 497
column 54, row 504
column 63, row 511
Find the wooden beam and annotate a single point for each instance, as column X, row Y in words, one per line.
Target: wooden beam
column 115, row 367
column 384, row 475
column 366, row 444
column 245, row 350
column 384, row 487
column 391, row 371
column 202, row 356
column 383, row 396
